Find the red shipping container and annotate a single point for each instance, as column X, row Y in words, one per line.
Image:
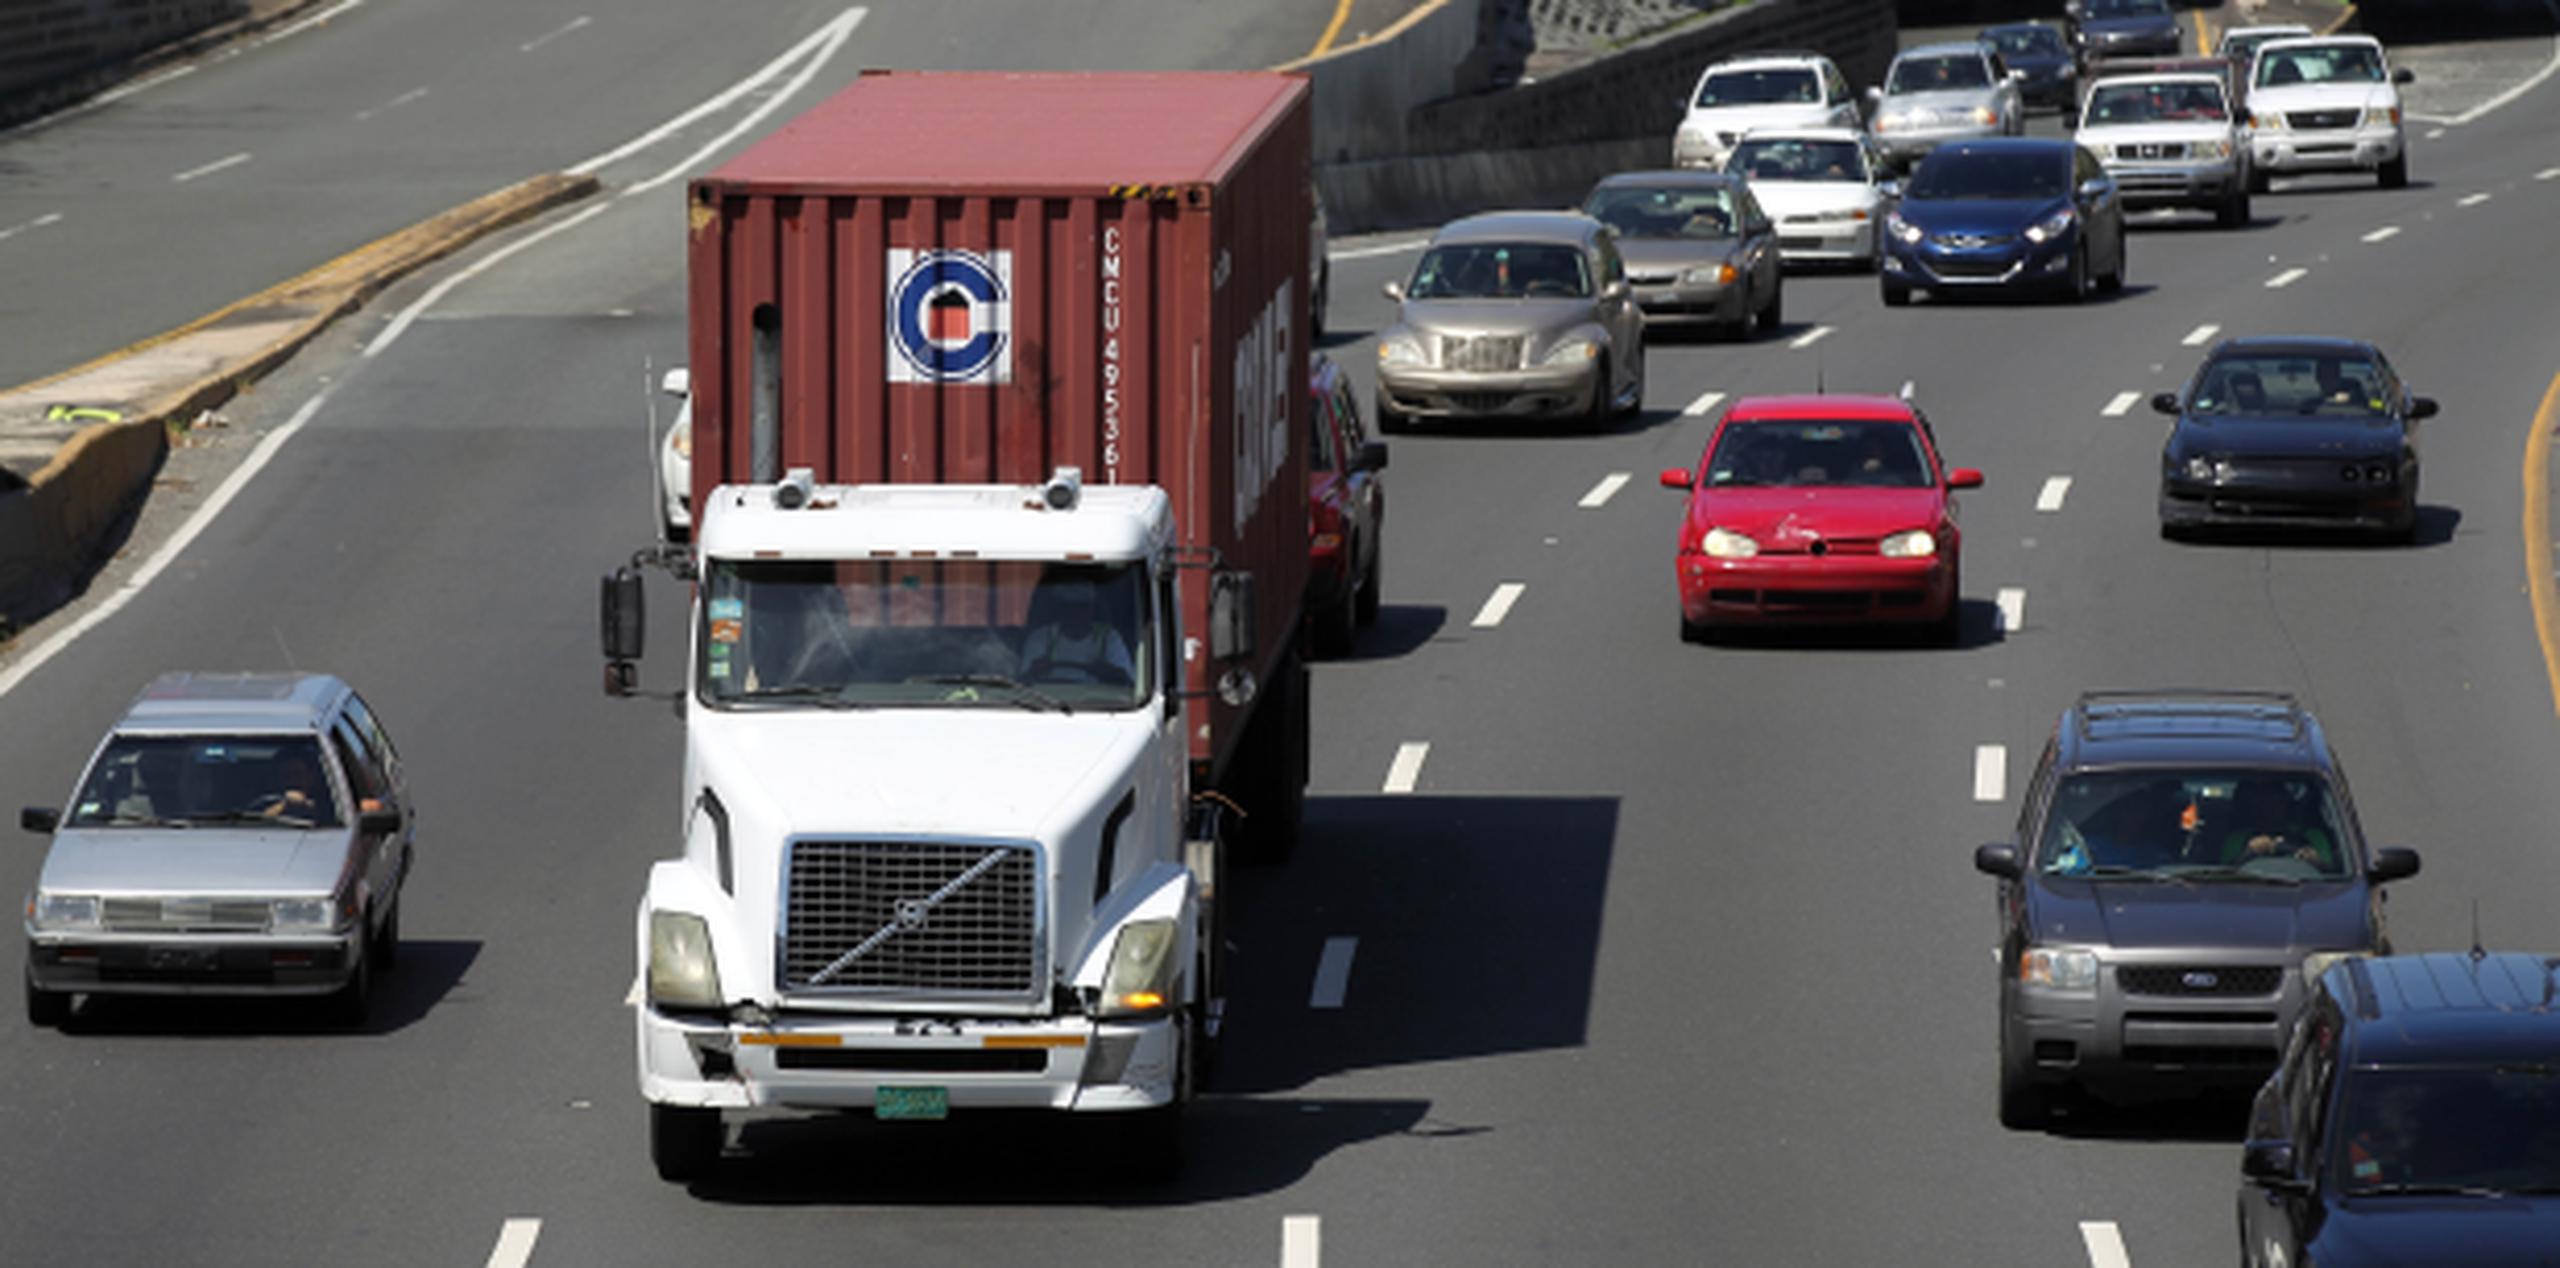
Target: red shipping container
column 975, row 277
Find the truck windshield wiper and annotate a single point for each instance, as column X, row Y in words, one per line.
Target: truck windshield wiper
column 824, row 697
column 1028, row 697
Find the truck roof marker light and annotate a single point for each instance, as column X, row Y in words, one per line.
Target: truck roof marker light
column 1065, row 488
column 798, row 485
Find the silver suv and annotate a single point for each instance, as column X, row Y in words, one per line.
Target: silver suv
column 235, row 834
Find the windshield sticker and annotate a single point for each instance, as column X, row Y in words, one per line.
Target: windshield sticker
column 88, row 807
column 727, row 630
column 720, row 662
column 730, row 609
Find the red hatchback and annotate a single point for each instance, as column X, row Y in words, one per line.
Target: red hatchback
column 1821, row 510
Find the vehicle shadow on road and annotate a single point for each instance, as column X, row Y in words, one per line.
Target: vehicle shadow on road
column 2179, row 226
column 429, row 971
column 1401, row 630
column 2437, row 526
column 2325, row 186
column 1980, row 627
column 2203, row 1118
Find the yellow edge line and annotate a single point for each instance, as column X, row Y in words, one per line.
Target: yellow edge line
column 1413, row 17
column 2537, row 536
column 2341, row 22
column 1341, row 14
column 2204, row 35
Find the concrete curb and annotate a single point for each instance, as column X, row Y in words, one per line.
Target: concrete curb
column 92, row 471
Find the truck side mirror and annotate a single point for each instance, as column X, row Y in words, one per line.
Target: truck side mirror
column 39, row 818
column 1231, row 623
column 625, row 627
column 678, row 383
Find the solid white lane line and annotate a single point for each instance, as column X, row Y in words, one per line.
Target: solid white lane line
column 400, row 324
column 39, row 222
column 1499, row 605
column 1333, row 973
column 297, row 28
column 1706, row 402
column 1406, row 770
column 2056, row 488
column 2105, row 1243
column 229, row 488
column 2287, row 278
column 1301, row 1241
column 2474, row 200
column 2013, row 609
column 393, row 104
column 212, row 167
column 836, row 29
column 2511, row 94
column 1811, row 337
column 540, row 40
column 2383, row 234
column 2122, row 404
column 1607, row 488
column 1379, row 248
column 515, row 1243
column 2201, row 335
column 1991, row 772
column 119, row 94
column 701, row 158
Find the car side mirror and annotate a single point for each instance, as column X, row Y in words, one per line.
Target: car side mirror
column 2269, row 1162
column 2094, row 187
column 378, row 823
column 625, row 627
column 1373, row 455
column 2404, row 75
column 40, row 818
column 677, row 383
column 2164, row 402
column 1999, row 858
column 1616, row 290
column 1394, row 291
column 2394, row 863
column 2422, row 407
column 2017, row 77
column 1875, row 94
column 1678, row 478
column 1889, row 187
column 1965, row 478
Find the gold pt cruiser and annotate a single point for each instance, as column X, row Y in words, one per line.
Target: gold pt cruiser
column 1514, row 315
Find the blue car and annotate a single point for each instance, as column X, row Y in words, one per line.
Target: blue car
column 2006, row 214
column 2049, row 74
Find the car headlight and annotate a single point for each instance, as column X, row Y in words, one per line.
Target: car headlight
column 304, row 915
column 1986, row 116
column 2382, row 118
column 2200, row 468
column 2060, row 968
column 681, row 440
column 2319, row 962
column 1903, row 229
column 63, row 911
column 1892, row 120
column 2267, row 120
column 682, row 972
column 1724, row 543
column 1570, row 351
column 1139, row 982
column 1716, row 275
column 1918, row 543
column 1402, row 351
column 2051, row 227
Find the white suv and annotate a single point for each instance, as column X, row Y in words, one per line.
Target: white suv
column 2170, row 140
column 1764, row 90
column 2327, row 104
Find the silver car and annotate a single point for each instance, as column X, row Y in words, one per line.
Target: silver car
column 1514, row 314
column 235, row 834
column 1698, row 248
column 1936, row 93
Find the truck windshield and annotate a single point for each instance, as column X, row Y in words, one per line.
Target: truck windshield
column 924, row 634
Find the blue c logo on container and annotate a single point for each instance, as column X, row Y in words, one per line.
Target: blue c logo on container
column 950, row 317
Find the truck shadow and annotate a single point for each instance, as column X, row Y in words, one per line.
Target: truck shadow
column 429, row 971
column 1401, row 630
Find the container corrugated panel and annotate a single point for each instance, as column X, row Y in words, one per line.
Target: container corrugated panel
column 979, row 277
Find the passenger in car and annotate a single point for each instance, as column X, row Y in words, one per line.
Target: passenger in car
column 2264, row 824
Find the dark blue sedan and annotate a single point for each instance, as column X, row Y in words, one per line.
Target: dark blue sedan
column 2006, row 214
column 2048, row 74
column 2292, row 433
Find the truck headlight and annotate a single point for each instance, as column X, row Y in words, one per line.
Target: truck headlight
column 2062, row 969
column 1986, row 116
column 2267, row 120
column 63, row 911
column 1724, row 543
column 682, row 442
column 682, row 973
column 303, row 915
column 2051, row 227
column 1402, row 350
column 1139, row 982
column 2319, row 962
column 1571, row 351
column 1918, row 543
column 2217, row 148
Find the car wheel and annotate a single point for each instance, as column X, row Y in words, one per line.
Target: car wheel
column 47, row 1009
column 2394, row 174
column 2022, row 1103
column 1604, row 404
column 2075, row 288
column 1948, row 630
column 1367, row 607
column 386, row 941
column 1773, row 315
column 1634, row 407
column 1337, row 625
column 1896, row 294
column 1390, row 421
column 2113, row 282
column 684, row 1141
column 352, row 1005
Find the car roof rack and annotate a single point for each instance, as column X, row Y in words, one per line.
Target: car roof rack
column 2272, row 714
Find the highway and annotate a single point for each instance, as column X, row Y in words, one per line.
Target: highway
column 1601, row 948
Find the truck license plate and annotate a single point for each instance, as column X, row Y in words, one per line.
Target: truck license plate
column 911, row 1103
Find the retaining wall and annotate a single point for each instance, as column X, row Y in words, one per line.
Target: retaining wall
column 45, row 44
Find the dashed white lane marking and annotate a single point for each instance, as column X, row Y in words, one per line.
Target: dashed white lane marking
column 1406, row 770
column 1498, row 605
column 1908, row 387
column 515, row 1243
column 2122, row 404
column 2474, row 200
column 2105, row 1243
column 2287, row 278
column 212, row 167
column 393, row 104
column 631, row 998
column 39, row 222
column 1991, row 772
column 1333, row 973
column 1398, row 247
column 2434, row 133
column 1607, row 488
column 2201, row 335
column 2383, row 234
column 540, row 40
column 2013, row 609
column 2056, row 488
column 834, row 31
column 1706, row 402
column 1301, row 1241
column 2548, row 174
column 1811, row 337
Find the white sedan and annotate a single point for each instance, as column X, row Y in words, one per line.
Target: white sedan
column 1826, row 188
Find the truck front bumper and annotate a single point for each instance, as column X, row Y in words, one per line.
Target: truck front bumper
column 829, row 1061
column 2335, row 150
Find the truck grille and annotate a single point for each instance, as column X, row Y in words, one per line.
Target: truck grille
column 1480, row 352
column 947, row 918
column 2199, row 980
column 2152, row 150
column 191, row 915
column 2313, row 120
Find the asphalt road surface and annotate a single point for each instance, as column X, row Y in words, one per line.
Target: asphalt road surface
column 1648, row 954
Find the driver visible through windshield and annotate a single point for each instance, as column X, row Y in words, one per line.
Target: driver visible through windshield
column 1960, row 174
column 2271, row 825
column 179, row 781
column 1792, row 454
column 1501, row 270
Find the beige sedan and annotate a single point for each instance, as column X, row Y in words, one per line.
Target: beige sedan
column 1514, row 315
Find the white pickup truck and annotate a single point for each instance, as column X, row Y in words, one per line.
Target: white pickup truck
column 2170, row 140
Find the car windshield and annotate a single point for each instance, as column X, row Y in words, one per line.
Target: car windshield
column 2277, row 826
column 2241, row 46
column 1858, row 453
column 2278, row 386
column 1938, row 74
column 181, row 781
column 1783, row 85
column 1501, row 270
column 1783, row 159
column 2171, row 101
column 924, row 633
column 2128, row 8
column 2436, row 1129
column 1986, row 174
column 2030, row 40
column 2320, row 64
column 1666, row 211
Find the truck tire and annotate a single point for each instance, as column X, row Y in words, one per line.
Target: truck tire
column 684, row 1140
column 1271, row 781
column 47, row 1009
